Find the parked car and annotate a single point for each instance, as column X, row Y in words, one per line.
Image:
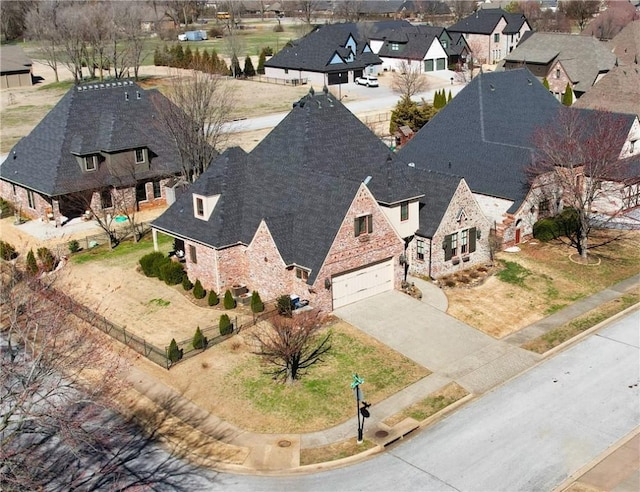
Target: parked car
column 368, row 80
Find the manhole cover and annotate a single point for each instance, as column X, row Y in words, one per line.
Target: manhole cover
column 284, row 443
column 382, row 433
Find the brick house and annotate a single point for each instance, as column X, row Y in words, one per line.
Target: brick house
column 100, row 144
column 485, row 134
column 491, row 33
column 321, row 208
column 579, row 61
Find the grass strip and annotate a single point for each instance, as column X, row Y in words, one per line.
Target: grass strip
column 582, row 323
column 335, row 451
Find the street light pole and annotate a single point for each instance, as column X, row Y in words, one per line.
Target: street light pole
column 361, row 413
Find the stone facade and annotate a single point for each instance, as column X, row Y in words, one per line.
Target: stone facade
column 463, row 213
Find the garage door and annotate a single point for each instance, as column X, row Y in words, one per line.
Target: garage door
column 338, row 78
column 364, row 282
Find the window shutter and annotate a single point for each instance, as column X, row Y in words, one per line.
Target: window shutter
column 370, row 224
column 446, row 245
column 472, row 240
column 356, row 229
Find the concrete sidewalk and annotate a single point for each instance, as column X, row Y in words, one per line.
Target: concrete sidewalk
column 479, row 366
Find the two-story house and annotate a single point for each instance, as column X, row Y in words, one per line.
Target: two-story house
column 491, row 33
column 102, row 141
column 322, row 209
column 562, row 59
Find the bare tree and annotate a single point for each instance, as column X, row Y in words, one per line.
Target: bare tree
column 293, row 344
column 580, row 11
column 72, row 36
column 348, row 10
column 42, row 26
column 306, row 10
column 99, row 32
column 198, row 106
column 408, row 80
column 576, row 160
column 461, row 8
column 129, row 22
column 13, row 18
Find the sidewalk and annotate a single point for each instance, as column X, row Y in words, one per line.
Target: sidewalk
column 280, row 453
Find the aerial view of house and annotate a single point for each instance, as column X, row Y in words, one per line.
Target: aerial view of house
column 100, row 137
column 246, row 219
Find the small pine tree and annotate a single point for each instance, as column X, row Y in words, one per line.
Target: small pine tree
column 46, row 258
column 32, row 264
column 225, row 325
column 545, row 82
column 229, row 302
column 178, row 57
column 74, row 246
column 198, row 290
column 235, row 70
column 213, row 299
column 257, row 306
column 188, row 57
column 249, row 71
column 567, row 97
column 157, row 57
column 205, row 61
column 173, row 352
column 199, row 340
column 449, row 97
column 186, row 283
column 261, row 60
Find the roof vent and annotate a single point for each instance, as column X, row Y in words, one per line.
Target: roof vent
column 126, row 96
column 101, row 86
column 529, row 82
column 412, row 164
column 119, row 83
column 492, row 87
column 137, row 94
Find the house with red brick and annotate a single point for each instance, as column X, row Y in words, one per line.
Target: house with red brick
column 322, row 209
column 100, row 144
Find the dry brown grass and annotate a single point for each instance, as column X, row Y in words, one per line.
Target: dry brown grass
column 335, row 451
column 499, row 308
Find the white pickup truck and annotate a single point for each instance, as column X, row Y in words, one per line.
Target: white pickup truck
column 368, row 80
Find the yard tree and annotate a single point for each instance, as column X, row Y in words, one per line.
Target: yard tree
column 249, row 71
column 198, row 106
column 576, row 163
column 580, row 11
column 306, row 10
column 567, row 97
column 409, row 113
column 293, row 344
column 408, row 80
column 41, row 23
column 261, row 60
column 461, row 8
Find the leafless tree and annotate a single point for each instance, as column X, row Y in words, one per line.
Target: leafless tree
column 579, row 11
column 461, row 8
column 408, row 80
column 198, row 106
column 99, row 33
column 13, row 18
column 577, row 158
column 41, row 23
column 348, row 10
column 129, row 23
column 306, row 10
column 293, row 344
column 72, row 36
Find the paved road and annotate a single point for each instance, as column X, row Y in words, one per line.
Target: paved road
column 529, row 434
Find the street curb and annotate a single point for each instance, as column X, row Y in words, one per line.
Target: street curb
column 571, row 479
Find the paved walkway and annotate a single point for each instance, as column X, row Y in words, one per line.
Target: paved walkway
column 454, row 351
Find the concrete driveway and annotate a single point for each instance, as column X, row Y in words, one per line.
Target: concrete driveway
column 437, row 341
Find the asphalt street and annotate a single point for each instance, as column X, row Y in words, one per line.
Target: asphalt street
column 531, row 433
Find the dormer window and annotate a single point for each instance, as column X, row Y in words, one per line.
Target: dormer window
column 496, row 38
column 199, row 207
column 302, row 274
column 140, row 156
column 395, row 46
column 90, row 162
column 404, row 211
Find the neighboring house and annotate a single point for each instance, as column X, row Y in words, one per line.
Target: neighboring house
column 626, row 45
column 331, row 54
column 491, row 33
column 99, row 138
column 485, row 134
column 580, row 61
column 15, row 67
column 617, row 91
column 610, row 21
column 322, row 209
column 420, row 48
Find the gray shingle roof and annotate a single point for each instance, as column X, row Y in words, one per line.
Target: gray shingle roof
column 90, row 119
column 618, row 91
column 414, row 43
column 13, row 60
column 485, row 134
column 484, row 21
column 314, row 51
column 582, row 57
column 301, row 180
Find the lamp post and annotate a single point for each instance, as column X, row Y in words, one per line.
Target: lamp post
column 361, row 412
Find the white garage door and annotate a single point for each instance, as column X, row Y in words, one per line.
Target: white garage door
column 359, row 284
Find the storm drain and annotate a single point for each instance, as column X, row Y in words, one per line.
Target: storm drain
column 284, row 443
column 381, row 433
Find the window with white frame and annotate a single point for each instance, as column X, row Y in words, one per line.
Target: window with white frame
column 496, row 37
column 464, row 235
column 461, row 242
column 454, row 244
column 395, row 46
column 420, row 249
column 404, row 211
column 157, row 190
column 302, row 274
column 199, row 207
column 140, row 156
column 90, row 162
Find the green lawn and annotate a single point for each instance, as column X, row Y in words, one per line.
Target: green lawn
column 127, row 251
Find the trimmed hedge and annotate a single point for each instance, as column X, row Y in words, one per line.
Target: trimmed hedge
column 199, row 340
column 198, row 290
column 564, row 224
column 229, row 302
column 213, row 299
column 257, row 306
column 147, row 263
column 172, row 273
column 186, row 283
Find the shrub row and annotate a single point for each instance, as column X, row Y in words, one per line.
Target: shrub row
column 564, row 224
